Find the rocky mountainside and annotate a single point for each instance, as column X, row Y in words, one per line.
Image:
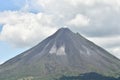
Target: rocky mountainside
column 63, row 53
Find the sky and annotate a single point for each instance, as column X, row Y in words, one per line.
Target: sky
column 25, row 23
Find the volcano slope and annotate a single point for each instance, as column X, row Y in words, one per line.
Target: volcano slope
column 63, row 53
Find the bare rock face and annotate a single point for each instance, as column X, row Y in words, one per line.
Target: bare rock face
column 62, row 53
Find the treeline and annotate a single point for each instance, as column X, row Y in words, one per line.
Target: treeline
column 88, row 76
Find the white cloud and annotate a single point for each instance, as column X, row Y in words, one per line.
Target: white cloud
column 113, row 3
column 79, row 20
column 25, row 29
column 116, row 51
column 101, row 18
column 109, row 43
column 106, row 42
column 1, row 62
column 78, row 2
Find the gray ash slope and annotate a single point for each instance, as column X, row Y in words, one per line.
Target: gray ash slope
column 63, row 52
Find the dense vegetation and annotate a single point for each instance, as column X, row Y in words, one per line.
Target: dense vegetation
column 88, row 76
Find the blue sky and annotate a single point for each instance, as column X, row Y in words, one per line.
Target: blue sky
column 0, row 28
column 11, row 4
column 24, row 23
column 7, row 52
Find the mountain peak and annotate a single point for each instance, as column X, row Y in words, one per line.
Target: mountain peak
column 64, row 30
column 63, row 33
column 63, row 52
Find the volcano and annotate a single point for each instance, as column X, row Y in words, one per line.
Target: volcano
column 63, row 53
